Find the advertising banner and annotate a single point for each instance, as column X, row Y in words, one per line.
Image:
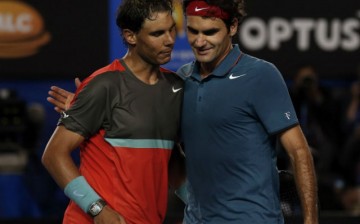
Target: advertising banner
column 52, row 39
column 324, row 33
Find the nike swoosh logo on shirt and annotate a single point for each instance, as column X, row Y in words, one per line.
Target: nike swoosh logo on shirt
column 176, row 90
column 232, row 76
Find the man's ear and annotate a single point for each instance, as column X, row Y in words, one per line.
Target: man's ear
column 234, row 27
column 129, row 36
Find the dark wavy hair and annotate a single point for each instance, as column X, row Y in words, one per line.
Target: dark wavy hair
column 235, row 8
column 131, row 14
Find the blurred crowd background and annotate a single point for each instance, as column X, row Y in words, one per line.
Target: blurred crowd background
column 317, row 51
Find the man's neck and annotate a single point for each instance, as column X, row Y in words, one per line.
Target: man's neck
column 145, row 72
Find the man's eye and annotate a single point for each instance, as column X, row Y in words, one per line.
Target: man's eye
column 192, row 31
column 210, row 32
column 157, row 34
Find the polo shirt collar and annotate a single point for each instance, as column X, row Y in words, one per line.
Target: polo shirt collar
column 224, row 67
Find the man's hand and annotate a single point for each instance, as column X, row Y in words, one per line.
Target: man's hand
column 61, row 98
column 108, row 215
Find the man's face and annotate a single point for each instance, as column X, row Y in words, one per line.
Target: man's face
column 209, row 38
column 155, row 40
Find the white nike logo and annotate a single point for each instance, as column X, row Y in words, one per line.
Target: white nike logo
column 65, row 115
column 176, row 90
column 200, row 9
column 76, row 193
column 232, row 76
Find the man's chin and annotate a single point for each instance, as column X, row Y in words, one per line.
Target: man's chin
column 203, row 59
column 164, row 61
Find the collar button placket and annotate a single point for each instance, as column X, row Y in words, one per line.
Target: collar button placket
column 200, row 97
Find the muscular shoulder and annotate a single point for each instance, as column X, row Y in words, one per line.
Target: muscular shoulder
column 100, row 83
column 105, row 74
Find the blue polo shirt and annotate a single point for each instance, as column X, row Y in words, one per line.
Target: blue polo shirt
column 229, row 124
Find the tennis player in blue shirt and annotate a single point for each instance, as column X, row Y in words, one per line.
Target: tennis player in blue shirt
column 235, row 109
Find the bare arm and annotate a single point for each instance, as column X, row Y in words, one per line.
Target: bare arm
column 59, row 163
column 57, row 155
column 301, row 160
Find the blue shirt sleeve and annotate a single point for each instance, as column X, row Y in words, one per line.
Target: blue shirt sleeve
column 271, row 101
